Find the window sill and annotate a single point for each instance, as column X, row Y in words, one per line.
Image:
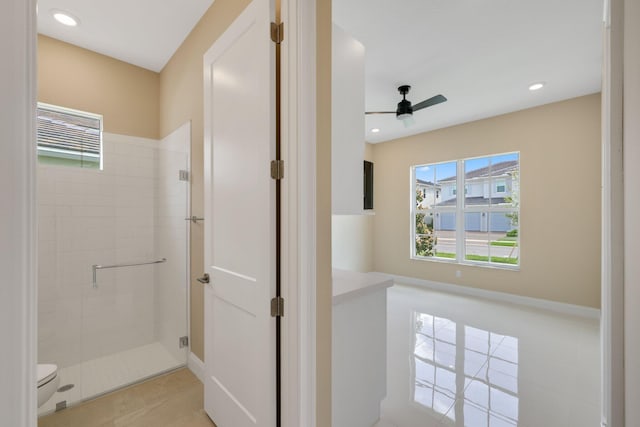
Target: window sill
column 468, row 263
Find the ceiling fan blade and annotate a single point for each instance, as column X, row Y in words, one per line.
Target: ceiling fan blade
column 429, row 102
column 380, row 112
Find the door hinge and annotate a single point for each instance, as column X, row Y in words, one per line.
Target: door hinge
column 183, row 175
column 277, row 307
column 277, row 32
column 183, row 342
column 277, row 169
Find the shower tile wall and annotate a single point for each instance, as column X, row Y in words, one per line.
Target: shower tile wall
column 91, row 217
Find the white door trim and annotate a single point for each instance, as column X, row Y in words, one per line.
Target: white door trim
column 612, row 265
column 18, row 262
column 298, row 208
column 631, row 140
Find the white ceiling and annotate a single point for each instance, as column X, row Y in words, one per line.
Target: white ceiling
column 481, row 54
column 145, row 33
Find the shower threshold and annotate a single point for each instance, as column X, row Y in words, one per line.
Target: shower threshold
column 96, row 377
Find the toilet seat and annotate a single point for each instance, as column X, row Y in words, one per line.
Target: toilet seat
column 46, row 373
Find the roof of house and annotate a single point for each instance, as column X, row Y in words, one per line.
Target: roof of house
column 423, row 182
column 498, row 169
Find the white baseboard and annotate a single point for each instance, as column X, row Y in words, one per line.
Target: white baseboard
column 196, row 366
column 557, row 307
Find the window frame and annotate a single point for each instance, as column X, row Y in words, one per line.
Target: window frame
column 460, row 210
column 79, row 113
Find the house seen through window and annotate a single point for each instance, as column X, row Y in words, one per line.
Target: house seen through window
column 480, row 228
column 69, row 137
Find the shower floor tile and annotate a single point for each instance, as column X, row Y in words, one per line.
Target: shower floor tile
column 98, row 376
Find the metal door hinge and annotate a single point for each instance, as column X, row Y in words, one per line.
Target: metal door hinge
column 183, row 342
column 277, row 307
column 277, row 169
column 277, row 32
column 183, row 175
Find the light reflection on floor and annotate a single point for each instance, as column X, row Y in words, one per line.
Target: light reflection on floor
column 489, row 397
column 458, row 361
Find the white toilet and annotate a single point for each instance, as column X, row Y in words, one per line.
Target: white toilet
column 48, row 381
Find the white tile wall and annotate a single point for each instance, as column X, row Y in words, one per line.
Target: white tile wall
column 133, row 210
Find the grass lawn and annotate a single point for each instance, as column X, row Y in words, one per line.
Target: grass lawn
column 503, row 243
column 496, row 259
column 445, row 255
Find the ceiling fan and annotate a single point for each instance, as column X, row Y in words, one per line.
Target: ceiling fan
column 405, row 110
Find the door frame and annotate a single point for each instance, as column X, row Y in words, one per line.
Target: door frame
column 18, row 288
column 298, row 103
column 612, row 321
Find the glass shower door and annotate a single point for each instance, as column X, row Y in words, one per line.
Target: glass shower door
column 135, row 313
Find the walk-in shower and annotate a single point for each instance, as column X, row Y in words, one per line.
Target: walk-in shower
column 113, row 259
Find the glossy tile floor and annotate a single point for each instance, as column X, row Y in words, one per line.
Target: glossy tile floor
column 171, row 400
column 459, row 361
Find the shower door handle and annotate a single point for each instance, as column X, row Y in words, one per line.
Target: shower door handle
column 203, row 279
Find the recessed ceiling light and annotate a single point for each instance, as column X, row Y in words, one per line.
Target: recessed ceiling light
column 375, row 130
column 65, row 18
column 536, row 86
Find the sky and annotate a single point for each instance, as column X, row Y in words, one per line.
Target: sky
column 441, row 171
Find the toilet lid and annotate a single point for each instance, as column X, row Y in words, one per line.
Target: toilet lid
column 46, row 372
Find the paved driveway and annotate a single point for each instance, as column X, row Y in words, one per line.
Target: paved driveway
column 476, row 243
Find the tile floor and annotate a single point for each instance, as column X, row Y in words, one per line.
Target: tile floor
column 458, row 361
column 171, row 400
column 97, row 376
column 451, row 361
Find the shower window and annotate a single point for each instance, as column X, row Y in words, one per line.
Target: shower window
column 69, row 137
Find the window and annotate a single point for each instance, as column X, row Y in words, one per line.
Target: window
column 69, row 137
column 482, row 227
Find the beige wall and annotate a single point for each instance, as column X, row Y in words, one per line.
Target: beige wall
column 182, row 100
column 127, row 96
column 368, row 152
column 559, row 147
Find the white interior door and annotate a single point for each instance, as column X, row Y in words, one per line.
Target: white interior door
column 240, row 222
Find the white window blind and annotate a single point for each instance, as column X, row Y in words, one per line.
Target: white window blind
column 69, row 137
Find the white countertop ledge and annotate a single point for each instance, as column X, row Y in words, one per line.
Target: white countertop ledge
column 352, row 284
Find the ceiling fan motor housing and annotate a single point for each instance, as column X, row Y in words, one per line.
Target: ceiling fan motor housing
column 404, row 109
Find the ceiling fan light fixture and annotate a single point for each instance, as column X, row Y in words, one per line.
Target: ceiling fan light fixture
column 405, row 110
column 65, row 18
